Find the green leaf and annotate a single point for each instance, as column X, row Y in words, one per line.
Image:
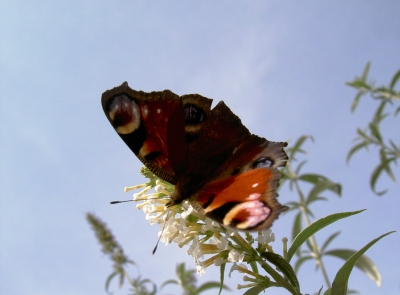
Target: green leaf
column 300, row 261
column 339, row 285
column 297, row 146
column 312, row 178
column 383, row 166
column 363, row 135
column 329, row 240
column 375, row 131
column 379, row 116
column 394, row 147
column 395, row 78
column 284, row 267
column 322, row 185
column 292, row 205
column 108, row 281
column 366, row 71
column 139, row 285
column 169, row 282
column 315, row 227
column 221, row 277
column 384, row 159
column 209, row 285
column 317, row 199
column 356, row 100
column 354, row 149
column 328, row 292
column 255, row 290
column 364, row 263
column 397, row 111
column 296, row 225
column 359, row 84
column 297, row 172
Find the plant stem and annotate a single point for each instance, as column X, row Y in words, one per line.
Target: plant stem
column 313, row 241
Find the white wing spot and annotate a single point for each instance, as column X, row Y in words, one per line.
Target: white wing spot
column 145, row 111
column 158, row 111
column 254, row 196
column 255, row 185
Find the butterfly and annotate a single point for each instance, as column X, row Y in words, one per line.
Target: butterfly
column 212, row 159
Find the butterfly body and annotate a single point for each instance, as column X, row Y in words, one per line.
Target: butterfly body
column 208, row 154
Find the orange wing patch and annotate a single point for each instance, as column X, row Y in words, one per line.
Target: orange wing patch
column 246, row 201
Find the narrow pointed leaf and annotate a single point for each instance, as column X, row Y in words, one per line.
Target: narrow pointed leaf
column 329, row 240
column 395, row 78
column 383, row 166
column 364, row 263
column 375, row 131
column 363, row 135
column 322, row 185
column 379, row 116
column 108, row 281
column 296, row 225
column 255, row 290
column 397, row 111
column 297, row 146
column 366, row 71
column 356, row 100
column 221, row 277
column 386, row 160
column 339, row 285
column 312, row 178
column 292, row 206
column 300, row 166
column 169, row 282
column 300, row 261
column 359, row 84
column 354, row 149
column 209, row 285
column 315, row 227
column 317, row 199
column 394, row 147
column 284, row 267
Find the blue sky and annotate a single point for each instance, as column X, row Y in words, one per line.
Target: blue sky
column 280, row 66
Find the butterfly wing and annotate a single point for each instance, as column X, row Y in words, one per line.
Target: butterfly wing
column 246, row 201
column 152, row 126
column 211, row 137
column 243, row 193
column 208, row 154
column 180, row 139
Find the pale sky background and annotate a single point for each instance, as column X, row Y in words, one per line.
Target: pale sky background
column 279, row 65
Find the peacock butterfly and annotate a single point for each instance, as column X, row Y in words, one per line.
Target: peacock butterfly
column 212, row 159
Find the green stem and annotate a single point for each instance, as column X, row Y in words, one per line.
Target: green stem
column 388, row 150
column 313, row 241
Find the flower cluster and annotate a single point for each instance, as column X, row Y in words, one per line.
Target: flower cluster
column 183, row 225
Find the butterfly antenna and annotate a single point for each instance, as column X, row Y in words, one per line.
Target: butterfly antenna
column 117, row 202
column 162, row 231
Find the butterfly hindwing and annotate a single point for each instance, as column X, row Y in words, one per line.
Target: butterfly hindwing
column 243, row 194
column 246, row 201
